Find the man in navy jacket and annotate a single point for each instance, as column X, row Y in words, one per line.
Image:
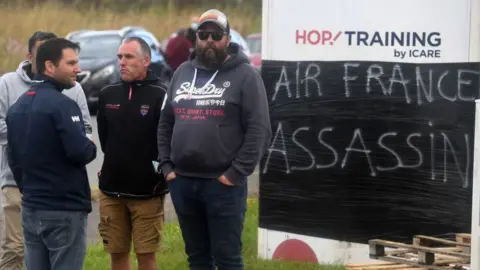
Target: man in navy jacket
column 48, row 151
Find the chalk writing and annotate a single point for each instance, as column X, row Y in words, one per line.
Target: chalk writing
column 357, row 135
column 395, row 84
column 312, row 157
column 463, row 172
column 419, row 82
column 313, row 78
column 283, row 81
column 282, row 150
column 330, row 148
column 362, row 149
column 366, row 150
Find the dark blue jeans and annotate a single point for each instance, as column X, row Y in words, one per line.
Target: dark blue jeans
column 54, row 240
column 211, row 217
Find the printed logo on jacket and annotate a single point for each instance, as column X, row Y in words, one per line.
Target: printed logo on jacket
column 210, row 97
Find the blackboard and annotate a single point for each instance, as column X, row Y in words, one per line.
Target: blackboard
column 364, row 150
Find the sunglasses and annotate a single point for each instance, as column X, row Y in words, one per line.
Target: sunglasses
column 217, row 36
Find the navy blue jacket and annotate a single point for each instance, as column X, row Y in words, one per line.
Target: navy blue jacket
column 48, row 149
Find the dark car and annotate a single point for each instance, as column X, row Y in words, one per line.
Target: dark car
column 99, row 63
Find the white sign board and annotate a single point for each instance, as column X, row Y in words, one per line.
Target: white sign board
column 426, row 31
column 408, row 31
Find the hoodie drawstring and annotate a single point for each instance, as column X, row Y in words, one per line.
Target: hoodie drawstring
column 192, row 85
column 130, row 93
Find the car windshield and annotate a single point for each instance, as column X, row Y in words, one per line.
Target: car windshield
column 98, row 46
column 255, row 44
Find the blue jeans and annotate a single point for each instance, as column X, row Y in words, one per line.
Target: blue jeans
column 54, row 240
column 211, row 217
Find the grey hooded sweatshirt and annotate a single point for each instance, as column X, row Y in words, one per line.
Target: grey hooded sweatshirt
column 214, row 122
column 12, row 86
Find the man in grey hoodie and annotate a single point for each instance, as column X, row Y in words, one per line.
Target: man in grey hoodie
column 12, row 85
column 213, row 130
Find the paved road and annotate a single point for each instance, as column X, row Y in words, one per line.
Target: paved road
column 95, row 166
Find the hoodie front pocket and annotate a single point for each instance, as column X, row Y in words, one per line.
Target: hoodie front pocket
column 198, row 148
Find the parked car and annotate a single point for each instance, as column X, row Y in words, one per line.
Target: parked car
column 237, row 38
column 254, row 42
column 99, row 62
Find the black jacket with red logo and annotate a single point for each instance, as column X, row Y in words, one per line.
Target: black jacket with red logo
column 128, row 115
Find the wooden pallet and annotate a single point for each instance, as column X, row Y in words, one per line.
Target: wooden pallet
column 383, row 266
column 425, row 252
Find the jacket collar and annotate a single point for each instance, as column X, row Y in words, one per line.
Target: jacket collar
column 44, row 79
column 149, row 79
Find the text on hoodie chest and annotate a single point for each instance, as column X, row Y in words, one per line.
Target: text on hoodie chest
column 203, row 100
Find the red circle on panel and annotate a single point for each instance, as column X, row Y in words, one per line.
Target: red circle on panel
column 295, row 250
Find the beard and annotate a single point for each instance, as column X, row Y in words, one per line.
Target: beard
column 63, row 79
column 210, row 56
column 70, row 83
column 66, row 82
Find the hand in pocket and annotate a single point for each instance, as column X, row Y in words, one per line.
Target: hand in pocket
column 224, row 180
column 171, row 176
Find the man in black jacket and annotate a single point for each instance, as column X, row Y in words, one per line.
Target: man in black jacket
column 48, row 150
column 214, row 129
column 133, row 193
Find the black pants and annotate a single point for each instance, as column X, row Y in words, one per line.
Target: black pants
column 211, row 217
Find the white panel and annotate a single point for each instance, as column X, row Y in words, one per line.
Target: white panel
column 327, row 251
column 450, row 18
column 458, row 25
column 475, row 250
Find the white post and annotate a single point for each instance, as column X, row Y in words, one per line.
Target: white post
column 262, row 237
column 475, row 57
column 475, row 251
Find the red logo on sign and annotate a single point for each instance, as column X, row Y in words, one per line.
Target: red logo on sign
column 295, row 250
column 316, row 37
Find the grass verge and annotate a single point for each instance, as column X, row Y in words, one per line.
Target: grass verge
column 172, row 255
